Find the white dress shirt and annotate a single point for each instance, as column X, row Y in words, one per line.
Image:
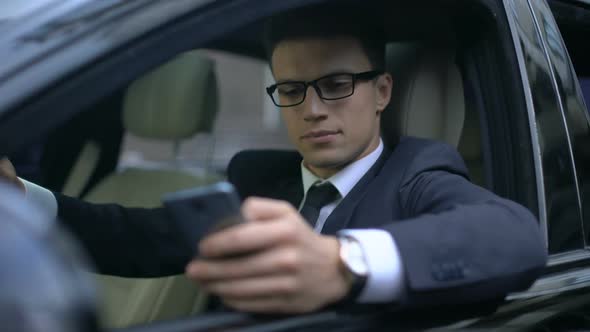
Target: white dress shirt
column 41, row 197
column 385, row 281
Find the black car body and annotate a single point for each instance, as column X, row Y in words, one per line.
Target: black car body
column 525, row 68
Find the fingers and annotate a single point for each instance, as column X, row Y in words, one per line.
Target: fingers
column 242, row 239
column 252, row 236
column 8, row 173
column 263, row 263
column 6, row 169
column 260, row 209
column 252, row 288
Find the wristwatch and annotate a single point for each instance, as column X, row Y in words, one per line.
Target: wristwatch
column 355, row 266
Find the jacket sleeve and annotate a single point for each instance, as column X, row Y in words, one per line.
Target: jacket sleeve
column 460, row 243
column 126, row 242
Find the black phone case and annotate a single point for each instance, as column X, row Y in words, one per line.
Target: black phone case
column 200, row 211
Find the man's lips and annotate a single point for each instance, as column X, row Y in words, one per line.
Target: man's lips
column 314, row 134
column 320, row 136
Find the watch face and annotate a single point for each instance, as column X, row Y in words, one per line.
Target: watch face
column 354, row 258
column 359, row 267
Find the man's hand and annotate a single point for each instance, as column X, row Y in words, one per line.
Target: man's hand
column 8, row 174
column 274, row 263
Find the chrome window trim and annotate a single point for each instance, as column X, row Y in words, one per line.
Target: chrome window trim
column 555, row 284
column 534, row 8
column 559, row 281
column 568, row 257
column 512, row 17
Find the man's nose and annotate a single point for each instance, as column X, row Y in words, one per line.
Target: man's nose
column 313, row 106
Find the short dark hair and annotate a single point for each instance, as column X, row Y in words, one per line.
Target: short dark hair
column 329, row 21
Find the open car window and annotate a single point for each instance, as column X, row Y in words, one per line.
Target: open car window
column 100, row 155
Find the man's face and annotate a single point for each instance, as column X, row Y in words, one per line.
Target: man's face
column 331, row 134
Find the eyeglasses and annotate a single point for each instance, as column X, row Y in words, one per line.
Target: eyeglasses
column 329, row 87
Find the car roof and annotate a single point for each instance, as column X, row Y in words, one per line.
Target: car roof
column 51, row 30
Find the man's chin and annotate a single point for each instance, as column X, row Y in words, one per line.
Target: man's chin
column 325, row 162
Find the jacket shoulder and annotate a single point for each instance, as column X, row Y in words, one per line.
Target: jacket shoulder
column 249, row 170
column 423, row 155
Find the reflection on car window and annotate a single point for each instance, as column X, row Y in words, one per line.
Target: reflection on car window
column 573, row 22
column 575, row 92
column 582, row 153
column 564, row 227
column 10, row 9
column 585, row 85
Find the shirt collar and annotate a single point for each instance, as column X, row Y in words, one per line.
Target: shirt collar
column 346, row 178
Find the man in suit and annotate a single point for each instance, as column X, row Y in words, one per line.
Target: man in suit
column 345, row 218
column 413, row 229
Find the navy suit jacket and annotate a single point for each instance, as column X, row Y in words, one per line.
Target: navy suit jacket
column 458, row 242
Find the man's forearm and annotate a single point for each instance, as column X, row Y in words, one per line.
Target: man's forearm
column 121, row 241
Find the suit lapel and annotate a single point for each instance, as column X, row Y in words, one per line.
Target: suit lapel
column 288, row 185
column 340, row 217
column 290, row 190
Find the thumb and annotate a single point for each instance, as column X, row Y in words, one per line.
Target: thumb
column 8, row 173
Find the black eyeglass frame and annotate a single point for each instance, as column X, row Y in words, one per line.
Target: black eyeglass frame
column 364, row 76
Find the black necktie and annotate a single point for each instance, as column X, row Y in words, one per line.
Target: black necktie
column 317, row 197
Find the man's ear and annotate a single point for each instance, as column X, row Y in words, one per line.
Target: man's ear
column 384, row 85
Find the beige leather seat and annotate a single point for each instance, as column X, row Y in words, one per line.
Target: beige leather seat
column 428, row 100
column 470, row 148
column 173, row 102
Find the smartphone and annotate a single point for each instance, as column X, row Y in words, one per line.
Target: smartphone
column 201, row 211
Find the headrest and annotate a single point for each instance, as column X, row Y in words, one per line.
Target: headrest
column 174, row 101
column 427, row 98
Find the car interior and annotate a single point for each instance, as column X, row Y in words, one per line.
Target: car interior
column 171, row 103
column 184, row 110
column 181, row 99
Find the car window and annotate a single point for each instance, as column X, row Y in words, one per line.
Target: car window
column 574, row 24
column 546, row 64
column 585, row 86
